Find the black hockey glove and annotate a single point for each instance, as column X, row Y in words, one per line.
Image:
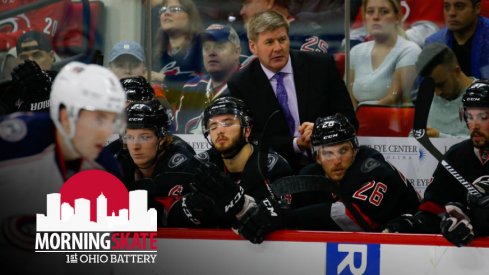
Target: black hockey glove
column 227, row 195
column 197, row 207
column 455, row 225
column 31, row 78
column 405, row 223
column 479, row 207
column 260, row 220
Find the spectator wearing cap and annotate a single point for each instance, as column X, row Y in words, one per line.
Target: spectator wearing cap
column 467, row 34
column 439, row 62
column 127, row 59
column 221, row 55
column 36, row 46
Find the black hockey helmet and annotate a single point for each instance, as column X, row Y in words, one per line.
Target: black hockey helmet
column 224, row 106
column 332, row 130
column 137, row 89
column 148, row 115
column 476, row 95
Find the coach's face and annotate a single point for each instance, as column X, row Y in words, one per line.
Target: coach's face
column 272, row 48
column 478, row 123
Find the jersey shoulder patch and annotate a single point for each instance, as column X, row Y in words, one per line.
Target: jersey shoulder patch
column 176, row 160
column 204, row 156
column 368, row 165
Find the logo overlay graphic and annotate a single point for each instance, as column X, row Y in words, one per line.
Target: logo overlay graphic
column 94, row 219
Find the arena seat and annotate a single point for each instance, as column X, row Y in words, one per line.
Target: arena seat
column 70, row 39
column 485, row 8
column 384, row 121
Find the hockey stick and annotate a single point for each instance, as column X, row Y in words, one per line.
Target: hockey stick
column 423, row 104
column 307, row 183
column 302, row 183
column 262, row 161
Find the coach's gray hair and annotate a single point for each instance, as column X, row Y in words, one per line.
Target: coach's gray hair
column 265, row 21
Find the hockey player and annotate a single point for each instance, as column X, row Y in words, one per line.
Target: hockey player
column 227, row 125
column 137, row 89
column 40, row 151
column 444, row 206
column 367, row 190
column 157, row 161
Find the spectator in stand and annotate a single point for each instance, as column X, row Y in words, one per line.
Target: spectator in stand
column 221, row 50
column 382, row 70
column 420, row 19
column 30, row 87
column 178, row 56
column 440, row 63
column 467, row 34
column 127, row 59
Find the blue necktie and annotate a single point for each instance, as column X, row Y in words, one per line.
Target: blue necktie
column 283, row 101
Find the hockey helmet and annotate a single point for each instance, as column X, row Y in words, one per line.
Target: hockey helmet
column 148, row 115
column 332, row 130
column 137, row 89
column 224, row 106
column 91, row 87
column 476, row 95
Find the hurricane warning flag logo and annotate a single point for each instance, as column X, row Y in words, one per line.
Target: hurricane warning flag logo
column 94, row 213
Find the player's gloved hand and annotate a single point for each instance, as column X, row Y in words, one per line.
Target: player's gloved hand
column 479, row 206
column 31, row 78
column 455, row 225
column 228, row 196
column 260, row 220
column 197, row 207
column 406, row 223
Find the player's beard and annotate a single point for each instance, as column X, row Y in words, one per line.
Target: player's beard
column 482, row 143
column 235, row 146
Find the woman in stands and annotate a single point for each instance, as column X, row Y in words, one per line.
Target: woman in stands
column 382, row 70
column 178, row 51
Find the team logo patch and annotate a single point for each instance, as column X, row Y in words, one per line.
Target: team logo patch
column 418, row 133
column 13, row 130
column 369, row 165
column 176, row 160
column 203, row 156
column 272, row 160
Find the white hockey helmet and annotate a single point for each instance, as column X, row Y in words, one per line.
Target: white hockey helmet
column 91, row 87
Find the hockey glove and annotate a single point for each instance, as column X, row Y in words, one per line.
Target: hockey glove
column 479, row 206
column 260, row 220
column 197, row 207
column 227, row 195
column 31, row 78
column 405, row 223
column 455, row 225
